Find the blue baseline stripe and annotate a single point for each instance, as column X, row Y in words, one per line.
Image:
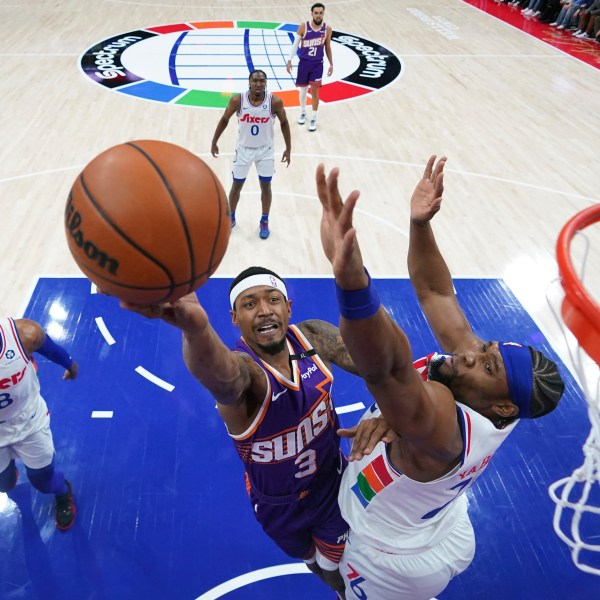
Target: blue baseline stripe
column 172, row 57
column 358, row 493
column 247, row 51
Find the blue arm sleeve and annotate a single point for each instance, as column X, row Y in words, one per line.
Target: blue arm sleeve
column 52, row 351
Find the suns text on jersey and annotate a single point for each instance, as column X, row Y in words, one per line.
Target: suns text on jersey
column 289, row 444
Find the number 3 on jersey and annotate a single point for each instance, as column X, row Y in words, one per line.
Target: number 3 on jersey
column 307, row 463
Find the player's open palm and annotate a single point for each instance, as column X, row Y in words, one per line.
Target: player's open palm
column 338, row 235
column 186, row 313
column 426, row 200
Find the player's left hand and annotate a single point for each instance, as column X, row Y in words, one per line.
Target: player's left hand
column 426, row 200
column 330, row 71
column 366, row 435
column 338, row 236
column 286, row 158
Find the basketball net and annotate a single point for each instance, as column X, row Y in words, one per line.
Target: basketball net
column 577, row 496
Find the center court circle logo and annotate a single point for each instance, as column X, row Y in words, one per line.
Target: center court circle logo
column 202, row 64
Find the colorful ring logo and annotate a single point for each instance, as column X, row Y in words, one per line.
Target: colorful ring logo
column 203, row 64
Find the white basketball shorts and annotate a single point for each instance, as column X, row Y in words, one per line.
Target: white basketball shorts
column 370, row 574
column 27, row 437
column 263, row 157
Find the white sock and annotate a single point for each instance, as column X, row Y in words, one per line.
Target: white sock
column 313, row 116
column 303, row 93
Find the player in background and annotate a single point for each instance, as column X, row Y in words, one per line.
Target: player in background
column 314, row 38
column 256, row 110
column 24, row 419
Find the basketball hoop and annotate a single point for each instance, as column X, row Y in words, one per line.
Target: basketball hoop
column 577, row 497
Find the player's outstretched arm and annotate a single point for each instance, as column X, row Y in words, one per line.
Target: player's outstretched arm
column 429, row 273
column 422, row 413
column 224, row 373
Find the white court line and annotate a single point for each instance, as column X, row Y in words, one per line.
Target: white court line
column 48, row 172
column 154, row 379
column 342, row 410
column 102, row 414
column 110, row 340
column 253, row 577
column 382, row 161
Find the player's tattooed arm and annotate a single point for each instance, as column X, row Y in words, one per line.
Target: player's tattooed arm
column 327, row 341
column 247, row 400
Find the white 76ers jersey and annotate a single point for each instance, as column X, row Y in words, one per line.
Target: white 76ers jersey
column 255, row 122
column 19, row 385
column 391, row 512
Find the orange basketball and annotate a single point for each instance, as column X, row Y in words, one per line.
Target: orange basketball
column 147, row 221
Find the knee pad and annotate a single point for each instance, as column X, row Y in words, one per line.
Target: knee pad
column 8, row 477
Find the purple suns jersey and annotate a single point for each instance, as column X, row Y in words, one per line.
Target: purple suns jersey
column 312, row 44
column 292, row 441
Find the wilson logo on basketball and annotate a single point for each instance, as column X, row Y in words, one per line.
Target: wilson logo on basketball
column 73, row 224
column 249, row 119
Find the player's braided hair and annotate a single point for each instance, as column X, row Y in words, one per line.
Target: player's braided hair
column 548, row 386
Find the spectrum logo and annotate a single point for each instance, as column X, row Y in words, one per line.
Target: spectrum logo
column 203, row 64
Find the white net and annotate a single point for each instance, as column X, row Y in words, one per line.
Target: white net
column 577, row 497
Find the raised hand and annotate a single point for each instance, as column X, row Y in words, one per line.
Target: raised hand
column 427, row 198
column 338, row 235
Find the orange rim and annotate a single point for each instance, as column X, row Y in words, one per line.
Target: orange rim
column 580, row 312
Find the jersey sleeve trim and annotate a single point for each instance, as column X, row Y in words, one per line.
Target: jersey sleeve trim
column 15, row 333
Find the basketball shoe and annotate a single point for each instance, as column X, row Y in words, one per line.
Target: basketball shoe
column 302, row 119
column 264, row 230
column 313, row 124
column 65, row 509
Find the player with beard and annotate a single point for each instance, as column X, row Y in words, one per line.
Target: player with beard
column 404, row 501
column 314, row 39
column 273, row 392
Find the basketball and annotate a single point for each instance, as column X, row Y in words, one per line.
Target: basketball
column 147, row 221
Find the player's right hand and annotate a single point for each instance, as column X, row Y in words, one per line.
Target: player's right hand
column 367, row 434
column 288, row 67
column 214, row 150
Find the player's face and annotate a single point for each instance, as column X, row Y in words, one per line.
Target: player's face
column 262, row 314
column 317, row 16
column 258, row 84
column 477, row 378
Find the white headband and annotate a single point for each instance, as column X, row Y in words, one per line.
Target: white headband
column 253, row 281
